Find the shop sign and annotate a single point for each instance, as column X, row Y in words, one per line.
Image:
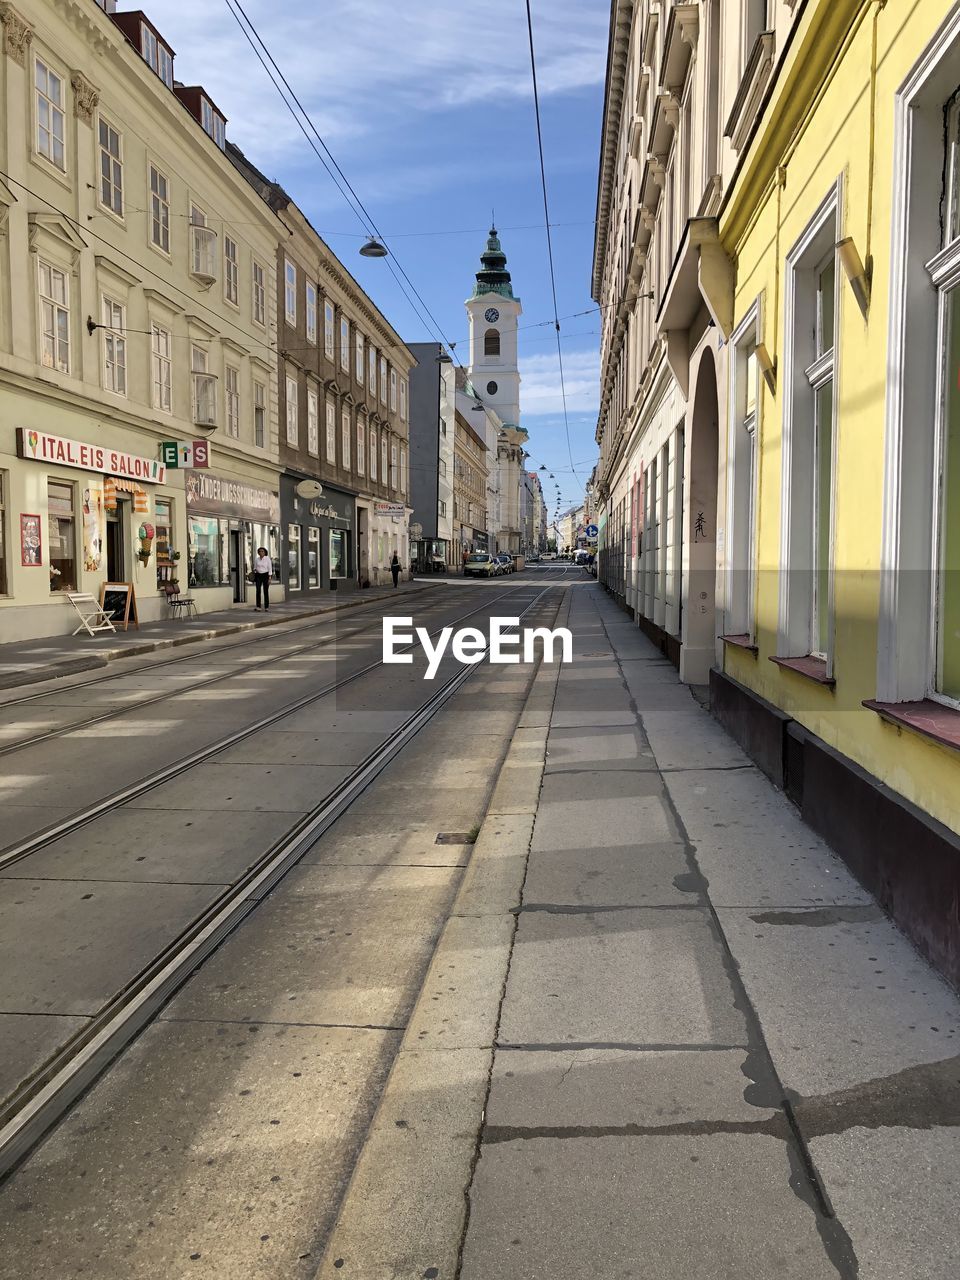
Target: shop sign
column 185, row 453
column 393, row 510
column 62, row 452
column 217, row 496
column 330, row 512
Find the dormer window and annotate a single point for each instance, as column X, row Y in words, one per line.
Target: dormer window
column 213, row 123
column 156, row 54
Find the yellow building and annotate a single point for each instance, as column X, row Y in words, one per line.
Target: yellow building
column 809, row 311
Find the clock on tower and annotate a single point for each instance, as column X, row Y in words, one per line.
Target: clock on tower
column 491, row 315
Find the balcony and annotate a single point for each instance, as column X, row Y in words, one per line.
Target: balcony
column 204, row 399
column 203, row 255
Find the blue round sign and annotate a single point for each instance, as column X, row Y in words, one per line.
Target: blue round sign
column 592, row 531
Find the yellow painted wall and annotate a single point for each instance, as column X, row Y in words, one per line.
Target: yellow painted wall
column 761, row 223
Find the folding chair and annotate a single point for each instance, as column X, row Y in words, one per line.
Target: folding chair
column 92, row 616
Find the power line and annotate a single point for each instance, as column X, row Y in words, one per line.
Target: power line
column 546, row 218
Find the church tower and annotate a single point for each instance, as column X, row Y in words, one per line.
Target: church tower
column 494, row 314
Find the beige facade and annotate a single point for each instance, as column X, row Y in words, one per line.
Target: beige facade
column 470, row 477
column 137, row 297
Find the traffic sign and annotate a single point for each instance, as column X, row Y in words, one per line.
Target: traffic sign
column 592, row 531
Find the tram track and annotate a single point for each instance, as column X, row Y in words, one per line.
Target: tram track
column 42, row 1099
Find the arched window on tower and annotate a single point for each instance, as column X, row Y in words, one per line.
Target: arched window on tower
column 491, row 342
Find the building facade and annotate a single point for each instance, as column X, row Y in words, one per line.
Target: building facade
column 135, row 340
column 470, row 485
column 431, row 457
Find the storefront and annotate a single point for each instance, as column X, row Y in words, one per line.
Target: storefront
column 382, row 532
column 228, row 518
column 75, row 515
column 318, row 538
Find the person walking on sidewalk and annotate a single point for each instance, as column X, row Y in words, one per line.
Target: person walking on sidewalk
column 262, row 572
column 395, row 569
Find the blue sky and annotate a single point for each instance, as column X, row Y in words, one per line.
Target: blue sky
column 428, row 109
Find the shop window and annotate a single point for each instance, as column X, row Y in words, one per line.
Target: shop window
column 62, row 535
column 313, row 556
column 293, row 557
column 4, row 571
column 338, row 553
column 204, row 551
column 164, row 548
column 268, row 535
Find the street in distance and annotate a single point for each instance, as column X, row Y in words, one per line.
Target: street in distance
column 469, row 645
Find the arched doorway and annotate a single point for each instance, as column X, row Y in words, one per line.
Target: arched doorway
column 700, row 535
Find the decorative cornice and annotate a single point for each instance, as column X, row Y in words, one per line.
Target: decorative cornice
column 17, row 34
column 657, row 165
column 670, row 106
column 86, row 97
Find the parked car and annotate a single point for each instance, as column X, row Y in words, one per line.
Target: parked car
column 506, row 563
column 480, row 564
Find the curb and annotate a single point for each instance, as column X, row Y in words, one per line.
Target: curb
column 404, row 1213
column 93, row 661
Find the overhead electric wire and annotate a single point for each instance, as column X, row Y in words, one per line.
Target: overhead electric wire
column 546, row 219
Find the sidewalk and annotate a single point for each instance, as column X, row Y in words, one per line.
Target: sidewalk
column 48, row 657
column 703, row 1052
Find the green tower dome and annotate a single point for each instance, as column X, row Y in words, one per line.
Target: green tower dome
column 493, row 276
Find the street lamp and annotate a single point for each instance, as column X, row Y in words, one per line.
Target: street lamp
column 373, row 249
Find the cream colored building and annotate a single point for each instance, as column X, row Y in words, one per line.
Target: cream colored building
column 137, row 296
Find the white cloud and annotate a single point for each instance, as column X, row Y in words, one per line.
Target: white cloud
column 360, row 66
column 540, row 383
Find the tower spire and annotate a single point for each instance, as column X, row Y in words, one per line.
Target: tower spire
column 493, row 276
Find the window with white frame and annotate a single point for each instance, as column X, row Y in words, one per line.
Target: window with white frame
column 345, row 438
column 159, row 209
column 809, row 440
column 204, row 388
column 54, row 291
column 231, row 387
column 383, row 380
column 754, row 25
column 344, row 343
column 393, row 466
column 49, row 90
column 293, row 427
column 372, row 369
column 403, row 399
column 162, row 360
column 403, row 470
column 311, row 312
column 384, row 469
column 231, row 271
column 373, row 454
column 393, row 391
column 313, row 422
column 203, row 247
column 111, row 168
column 156, row 54
column 360, row 360
column 259, row 284
column 331, row 432
column 742, row 440
column 361, row 446
column 114, row 322
column 290, row 291
column 328, row 319
column 212, row 122
column 259, row 414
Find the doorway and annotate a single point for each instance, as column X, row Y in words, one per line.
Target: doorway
column 237, row 566
column 699, row 633
column 117, row 525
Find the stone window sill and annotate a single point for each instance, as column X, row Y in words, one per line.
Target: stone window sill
column 811, row 668
column 741, row 642
column 930, row 719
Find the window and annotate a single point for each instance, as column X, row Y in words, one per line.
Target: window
column 4, row 580
column 50, row 115
column 393, row 466
column 383, row 380
column 259, row 294
column 373, row 454
column 231, row 383
column 293, row 557
column 231, row 271
column 755, row 23
column 54, row 318
column 328, row 328
column 313, row 556
column 157, row 54
column 345, row 438
column 293, row 429
column 162, row 369
column 403, row 470
column 313, row 422
column 331, row 433
column 166, row 565
column 372, row 369
column 344, row 343
column 159, row 210
column 259, row 415
column 361, row 447
column 111, row 169
column 491, row 343
column 338, row 553
column 742, row 456
column 393, row 391
column 203, row 551
column 204, row 389
column 114, row 347
column 805, row 626
column 311, row 312
column 62, row 536
column 441, row 508
column 290, row 291
column 384, row 473
column 203, row 247
column 442, row 468
column 212, row 123
column 359, row 365
column 403, row 399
